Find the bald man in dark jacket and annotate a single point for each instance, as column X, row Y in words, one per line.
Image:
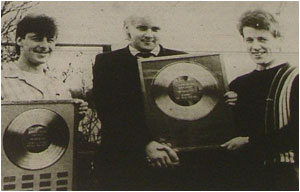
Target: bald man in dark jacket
column 126, row 139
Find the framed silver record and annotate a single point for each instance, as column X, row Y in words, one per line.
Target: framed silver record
column 183, row 97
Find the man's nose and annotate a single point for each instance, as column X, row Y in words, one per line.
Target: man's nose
column 256, row 45
column 44, row 42
column 149, row 33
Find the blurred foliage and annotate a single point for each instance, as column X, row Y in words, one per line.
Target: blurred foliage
column 73, row 66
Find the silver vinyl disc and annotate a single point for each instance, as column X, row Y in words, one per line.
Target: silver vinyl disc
column 36, row 139
column 185, row 91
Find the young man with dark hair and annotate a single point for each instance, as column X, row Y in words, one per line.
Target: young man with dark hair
column 28, row 79
column 266, row 111
column 41, row 25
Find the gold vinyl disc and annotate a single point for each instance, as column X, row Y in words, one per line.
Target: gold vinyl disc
column 185, row 91
column 36, row 139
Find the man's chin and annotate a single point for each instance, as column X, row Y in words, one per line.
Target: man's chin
column 259, row 61
column 264, row 64
column 147, row 48
column 39, row 62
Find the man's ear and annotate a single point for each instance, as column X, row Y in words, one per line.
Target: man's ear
column 19, row 41
column 128, row 36
column 279, row 41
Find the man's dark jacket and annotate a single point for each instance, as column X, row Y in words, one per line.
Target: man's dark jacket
column 119, row 103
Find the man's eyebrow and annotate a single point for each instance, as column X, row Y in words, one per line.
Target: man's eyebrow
column 262, row 38
column 155, row 28
column 142, row 26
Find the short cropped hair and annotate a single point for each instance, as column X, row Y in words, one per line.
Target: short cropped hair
column 133, row 18
column 130, row 21
column 260, row 20
column 127, row 21
column 41, row 25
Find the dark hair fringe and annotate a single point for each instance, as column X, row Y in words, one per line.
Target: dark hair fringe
column 41, row 25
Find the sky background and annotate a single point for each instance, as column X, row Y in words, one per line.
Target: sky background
column 194, row 27
column 186, row 24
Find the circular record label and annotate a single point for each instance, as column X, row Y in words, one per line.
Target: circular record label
column 185, row 91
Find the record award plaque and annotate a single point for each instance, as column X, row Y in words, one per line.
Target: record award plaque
column 184, row 100
column 37, row 151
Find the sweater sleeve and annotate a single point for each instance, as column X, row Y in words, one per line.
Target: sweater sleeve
column 287, row 137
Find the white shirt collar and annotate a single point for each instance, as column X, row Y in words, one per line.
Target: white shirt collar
column 133, row 51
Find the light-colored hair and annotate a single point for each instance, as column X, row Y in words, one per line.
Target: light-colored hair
column 128, row 21
column 131, row 20
column 261, row 20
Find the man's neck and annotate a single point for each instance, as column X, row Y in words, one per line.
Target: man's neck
column 270, row 65
column 134, row 51
column 25, row 65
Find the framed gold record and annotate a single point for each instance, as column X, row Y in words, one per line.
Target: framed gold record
column 183, row 97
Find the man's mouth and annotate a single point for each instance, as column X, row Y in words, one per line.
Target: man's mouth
column 148, row 41
column 258, row 53
column 42, row 51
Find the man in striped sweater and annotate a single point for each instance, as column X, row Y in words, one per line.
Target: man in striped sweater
column 266, row 111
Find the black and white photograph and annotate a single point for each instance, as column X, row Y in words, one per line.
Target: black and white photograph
column 150, row 95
